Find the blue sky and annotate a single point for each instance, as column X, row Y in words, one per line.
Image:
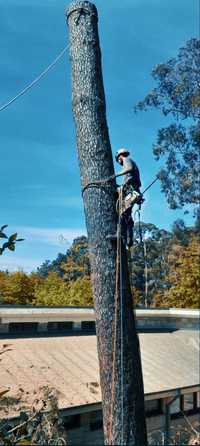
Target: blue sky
column 39, row 181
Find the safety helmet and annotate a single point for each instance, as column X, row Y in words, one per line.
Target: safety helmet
column 123, row 152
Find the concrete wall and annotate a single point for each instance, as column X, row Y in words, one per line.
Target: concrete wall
column 147, row 320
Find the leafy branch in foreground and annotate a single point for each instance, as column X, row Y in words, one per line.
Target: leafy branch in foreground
column 11, row 240
column 42, row 425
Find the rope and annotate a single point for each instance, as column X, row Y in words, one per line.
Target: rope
column 35, row 81
column 139, row 224
column 98, row 182
column 121, row 313
column 151, row 184
column 142, row 241
column 107, row 180
column 118, row 301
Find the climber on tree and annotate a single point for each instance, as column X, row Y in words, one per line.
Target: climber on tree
column 130, row 170
column 130, row 193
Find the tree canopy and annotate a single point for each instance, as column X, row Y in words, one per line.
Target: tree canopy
column 177, row 96
column 184, row 277
column 163, row 271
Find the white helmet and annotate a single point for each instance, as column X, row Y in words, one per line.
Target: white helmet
column 123, row 152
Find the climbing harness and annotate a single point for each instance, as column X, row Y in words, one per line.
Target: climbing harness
column 128, row 200
column 105, row 181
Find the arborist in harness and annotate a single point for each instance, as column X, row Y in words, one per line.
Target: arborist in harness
column 131, row 194
column 127, row 195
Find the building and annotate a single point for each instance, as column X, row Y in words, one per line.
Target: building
column 57, row 347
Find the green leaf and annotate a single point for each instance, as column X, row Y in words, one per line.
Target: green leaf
column 11, row 247
column 13, row 237
column 20, row 239
column 5, row 245
column 3, row 227
column 2, row 235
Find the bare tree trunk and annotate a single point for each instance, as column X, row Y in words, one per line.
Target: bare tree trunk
column 123, row 415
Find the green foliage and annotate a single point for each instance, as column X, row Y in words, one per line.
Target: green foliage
column 17, row 288
column 77, row 260
column 72, row 265
column 80, row 292
column 11, row 241
column 55, row 291
column 156, row 260
column 184, row 277
column 177, row 95
column 52, row 266
column 51, row 291
column 73, row 287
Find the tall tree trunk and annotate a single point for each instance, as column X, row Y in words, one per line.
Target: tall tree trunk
column 123, row 415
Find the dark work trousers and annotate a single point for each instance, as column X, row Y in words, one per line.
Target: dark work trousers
column 127, row 227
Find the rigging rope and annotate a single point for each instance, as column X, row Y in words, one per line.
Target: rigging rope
column 142, row 241
column 121, row 312
column 111, row 178
column 151, row 184
column 118, row 307
column 35, row 81
column 116, row 329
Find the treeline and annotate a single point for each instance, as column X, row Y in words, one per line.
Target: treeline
column 164, row 272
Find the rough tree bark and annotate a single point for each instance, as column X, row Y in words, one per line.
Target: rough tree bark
column 95, row 160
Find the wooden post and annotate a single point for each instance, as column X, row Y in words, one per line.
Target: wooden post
column 123, row 415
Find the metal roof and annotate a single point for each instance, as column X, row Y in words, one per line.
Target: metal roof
column 70, row 364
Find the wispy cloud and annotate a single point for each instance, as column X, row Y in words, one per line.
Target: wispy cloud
column 50, row 236
column 39, row 244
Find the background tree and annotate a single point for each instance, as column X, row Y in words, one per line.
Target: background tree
column 80, row 292
column 183, row 278
column 73, row 264
column 18, row 288
column 71, row 285
column 177, row 95
column 4, row 277
column 157, row 247
column 77, row 260
column 52, row 291
column 52, row 266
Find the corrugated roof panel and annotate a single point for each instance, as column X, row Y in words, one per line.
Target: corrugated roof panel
column 70, row 364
